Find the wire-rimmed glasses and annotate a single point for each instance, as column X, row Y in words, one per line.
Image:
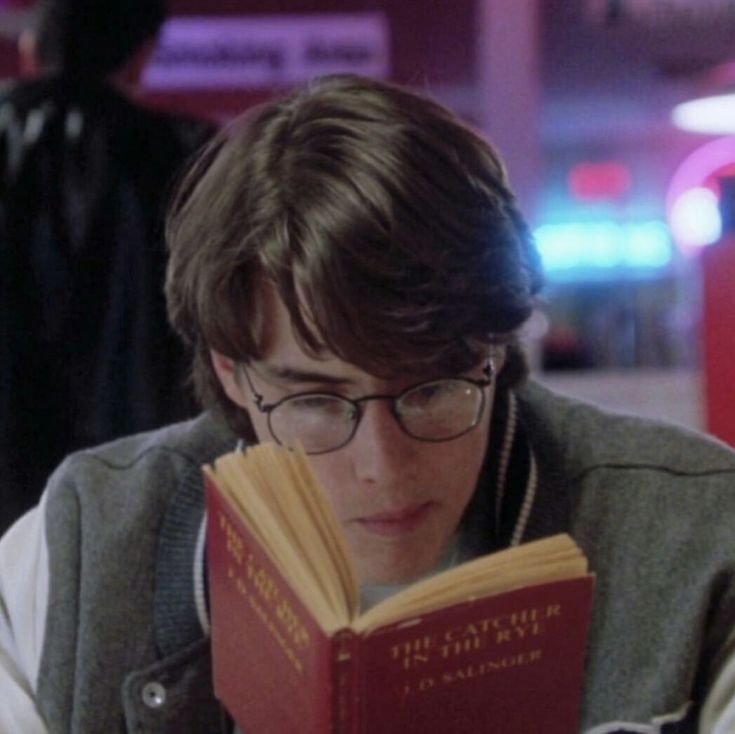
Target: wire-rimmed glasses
column 435, row 410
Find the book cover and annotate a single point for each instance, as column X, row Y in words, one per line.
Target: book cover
column 512, row 662
column 271, row 660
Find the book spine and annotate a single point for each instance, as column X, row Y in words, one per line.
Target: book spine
column 345, row 699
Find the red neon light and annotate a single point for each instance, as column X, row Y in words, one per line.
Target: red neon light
column 607, row 180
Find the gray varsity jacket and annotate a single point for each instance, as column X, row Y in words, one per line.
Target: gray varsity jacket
column 125, row 647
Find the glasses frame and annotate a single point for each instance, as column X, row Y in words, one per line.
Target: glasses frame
column 358, row 403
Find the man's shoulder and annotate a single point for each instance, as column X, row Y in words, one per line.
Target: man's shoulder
column 24, row 93
column 188, row 132
column 19, row 98
column 585, row 437
column 101, row 104
column 191, row 132
column 158, row 455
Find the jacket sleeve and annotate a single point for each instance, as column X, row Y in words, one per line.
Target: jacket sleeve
column 23, row 603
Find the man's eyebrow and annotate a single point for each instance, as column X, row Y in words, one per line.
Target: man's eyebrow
column 284, row 373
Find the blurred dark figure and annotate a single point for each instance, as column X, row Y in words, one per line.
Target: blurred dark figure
column 85, row 350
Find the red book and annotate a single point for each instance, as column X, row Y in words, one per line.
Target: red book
column 509, row 660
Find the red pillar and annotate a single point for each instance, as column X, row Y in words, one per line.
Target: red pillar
column 718, row 270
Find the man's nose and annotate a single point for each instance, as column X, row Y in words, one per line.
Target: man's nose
column 382, row 450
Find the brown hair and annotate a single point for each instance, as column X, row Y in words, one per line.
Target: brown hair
column 386, row 226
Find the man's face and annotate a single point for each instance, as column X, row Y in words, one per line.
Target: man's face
column 398, row 500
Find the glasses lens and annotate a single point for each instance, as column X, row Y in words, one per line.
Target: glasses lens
column 440, row 410
column 320, row 422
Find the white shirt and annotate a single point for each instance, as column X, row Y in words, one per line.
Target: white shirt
column 23, row 608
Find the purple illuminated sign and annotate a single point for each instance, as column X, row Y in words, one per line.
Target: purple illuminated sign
column 267, row 51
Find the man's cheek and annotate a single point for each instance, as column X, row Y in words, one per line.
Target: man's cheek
column 334, row 481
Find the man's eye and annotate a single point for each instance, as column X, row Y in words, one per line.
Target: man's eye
column 322, row 404
column 430, row 393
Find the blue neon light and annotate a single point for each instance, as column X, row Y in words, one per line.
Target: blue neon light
column 598, row 248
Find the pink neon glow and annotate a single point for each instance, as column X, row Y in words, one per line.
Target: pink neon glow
column 699, row 169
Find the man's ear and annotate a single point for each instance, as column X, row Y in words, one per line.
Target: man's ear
column 498, row 356
column 227, row 374
column 28, row 65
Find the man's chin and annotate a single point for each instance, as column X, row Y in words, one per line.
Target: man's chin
column 392, row 573
column 386, row 555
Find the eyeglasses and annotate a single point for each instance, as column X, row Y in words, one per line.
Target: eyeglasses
column 433, row 411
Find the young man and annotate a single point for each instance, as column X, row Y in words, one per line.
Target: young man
column 350, row 268
column 86, row 353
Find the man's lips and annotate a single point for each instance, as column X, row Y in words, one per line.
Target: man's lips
column 398, row 523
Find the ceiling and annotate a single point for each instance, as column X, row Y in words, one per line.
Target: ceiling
column 613, row 69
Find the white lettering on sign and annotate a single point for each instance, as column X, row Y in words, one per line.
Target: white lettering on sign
column 267, row 51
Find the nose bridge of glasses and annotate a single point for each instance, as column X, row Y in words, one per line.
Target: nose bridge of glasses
column 380, row 432
column 362, row 402
column 369, row 398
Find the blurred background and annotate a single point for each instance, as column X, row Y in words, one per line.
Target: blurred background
column 630, row 195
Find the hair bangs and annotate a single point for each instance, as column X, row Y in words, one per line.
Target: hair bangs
column 385, row 226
